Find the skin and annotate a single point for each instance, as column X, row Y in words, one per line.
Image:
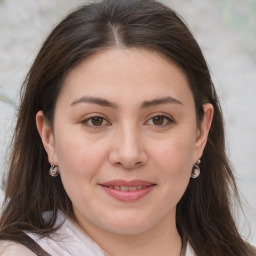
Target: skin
column 134, row 139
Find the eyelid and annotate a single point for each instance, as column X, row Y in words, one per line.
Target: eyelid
column 166, row 116
column 85, row 119
column 90, row 116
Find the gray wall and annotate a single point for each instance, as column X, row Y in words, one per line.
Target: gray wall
column 226, row 31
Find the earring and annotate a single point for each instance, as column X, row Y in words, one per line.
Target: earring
column 54, row 171
column 196, row 170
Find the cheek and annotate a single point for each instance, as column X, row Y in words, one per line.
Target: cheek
column 80, row 165
column 175, row 156
column 174, row 160
column 79, row 160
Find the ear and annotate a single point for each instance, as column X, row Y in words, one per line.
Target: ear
column 203, row 130
column 47, row 137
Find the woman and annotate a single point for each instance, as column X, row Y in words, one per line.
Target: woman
column 119, row 144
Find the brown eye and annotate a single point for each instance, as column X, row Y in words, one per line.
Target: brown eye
column 158, row 120
column 97, row 121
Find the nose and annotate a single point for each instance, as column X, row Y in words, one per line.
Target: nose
column 128, row 149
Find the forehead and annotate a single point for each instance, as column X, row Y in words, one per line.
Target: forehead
column 126, row 72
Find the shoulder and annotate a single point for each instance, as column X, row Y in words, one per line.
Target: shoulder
column 189, row 251
column 9, row 248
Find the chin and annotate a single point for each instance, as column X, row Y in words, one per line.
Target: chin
column 128, row 226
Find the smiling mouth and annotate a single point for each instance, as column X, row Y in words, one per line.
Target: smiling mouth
column 127, row 191
column 126, row 188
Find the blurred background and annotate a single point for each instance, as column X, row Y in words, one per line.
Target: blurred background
column 226, row 32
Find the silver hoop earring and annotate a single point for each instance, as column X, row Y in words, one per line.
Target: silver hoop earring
column 54, row 171
column 196, row 170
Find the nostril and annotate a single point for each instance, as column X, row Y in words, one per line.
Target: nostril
column 128, row 166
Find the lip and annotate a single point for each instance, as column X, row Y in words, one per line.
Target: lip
column 128, row 183
column 127, row 196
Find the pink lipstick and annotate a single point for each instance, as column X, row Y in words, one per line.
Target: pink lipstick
column 127, row 190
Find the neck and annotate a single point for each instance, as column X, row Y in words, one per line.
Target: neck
column 161, row 240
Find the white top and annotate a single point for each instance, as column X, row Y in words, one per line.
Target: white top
column 68, row 240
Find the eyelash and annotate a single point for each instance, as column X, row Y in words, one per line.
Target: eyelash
column 89, row 119
column 167, row 121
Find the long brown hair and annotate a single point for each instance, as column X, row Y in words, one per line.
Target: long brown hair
column 203, row 214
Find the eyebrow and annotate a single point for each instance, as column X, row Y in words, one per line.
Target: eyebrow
column 160, row 101
column 94, row 100
column 105, row 103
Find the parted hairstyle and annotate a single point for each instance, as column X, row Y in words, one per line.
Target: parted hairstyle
column 204, row 216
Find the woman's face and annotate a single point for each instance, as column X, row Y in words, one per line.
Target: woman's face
column 125, row 139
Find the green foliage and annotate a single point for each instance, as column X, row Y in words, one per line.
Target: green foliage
column 4, row 98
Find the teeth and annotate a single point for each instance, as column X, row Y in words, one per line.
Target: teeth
column 125, row 188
